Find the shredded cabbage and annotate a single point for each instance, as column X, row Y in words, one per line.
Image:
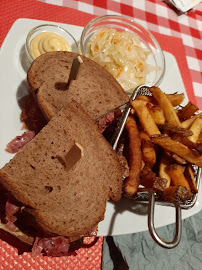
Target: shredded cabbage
column 122, row 54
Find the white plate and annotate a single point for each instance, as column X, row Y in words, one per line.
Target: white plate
column 121, row 218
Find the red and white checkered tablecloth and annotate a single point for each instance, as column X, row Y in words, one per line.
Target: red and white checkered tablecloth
column 158, row 17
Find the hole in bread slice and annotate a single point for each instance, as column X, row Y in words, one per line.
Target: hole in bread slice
column 48, row 189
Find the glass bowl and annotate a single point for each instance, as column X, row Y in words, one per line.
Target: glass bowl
column 49, row 28
column 147, row 41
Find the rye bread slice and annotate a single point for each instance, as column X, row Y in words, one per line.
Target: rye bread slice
column 95, row 88
column 28, row 239
column 65, row 203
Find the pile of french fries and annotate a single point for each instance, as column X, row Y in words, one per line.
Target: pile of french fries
column 164, row 144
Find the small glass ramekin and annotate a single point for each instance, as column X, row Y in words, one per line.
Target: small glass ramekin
column 52, row 29
column 148, row 41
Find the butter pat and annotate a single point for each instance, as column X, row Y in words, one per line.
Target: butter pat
column 73, row 156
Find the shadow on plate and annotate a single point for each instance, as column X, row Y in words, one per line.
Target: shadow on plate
column 22, row 93
column 25, row 63
column 126, row 204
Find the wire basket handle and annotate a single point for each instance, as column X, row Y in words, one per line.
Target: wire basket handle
column 178, row 224
column 125, row 113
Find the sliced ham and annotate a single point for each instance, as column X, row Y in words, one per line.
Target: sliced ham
column 51, row 246
column 10, row 210
column 16, row 144
column 105, row 121
column 11, row 226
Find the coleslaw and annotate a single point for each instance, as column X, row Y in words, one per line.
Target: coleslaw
column 123, row 55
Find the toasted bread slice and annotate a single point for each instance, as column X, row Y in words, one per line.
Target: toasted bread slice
column 94, row 88
column 23, row 237
column 65, row 202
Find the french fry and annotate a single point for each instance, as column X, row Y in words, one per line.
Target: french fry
column 189, row 174
column 157, row 113
column 176, row 129
column 145, row 118
column 187, row 123
column 178, row 148
column 147, row 177
column 196, row 129
column 177, row 176
column 168, row 110
column 132, row 182
column 175, row 99
column 144, row 136
column 199, row 141
column 160, row 184
column 145, row 98
column 176, row 158
column 148, row 151
column 187, row 111
column 132, row 111
column 175, row 193
column 199, row 148
column 163, row 164
column 184, row 140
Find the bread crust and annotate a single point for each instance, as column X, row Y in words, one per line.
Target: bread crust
column 25, row 238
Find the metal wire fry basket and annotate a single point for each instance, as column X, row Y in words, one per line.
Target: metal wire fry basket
column 149, row 196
